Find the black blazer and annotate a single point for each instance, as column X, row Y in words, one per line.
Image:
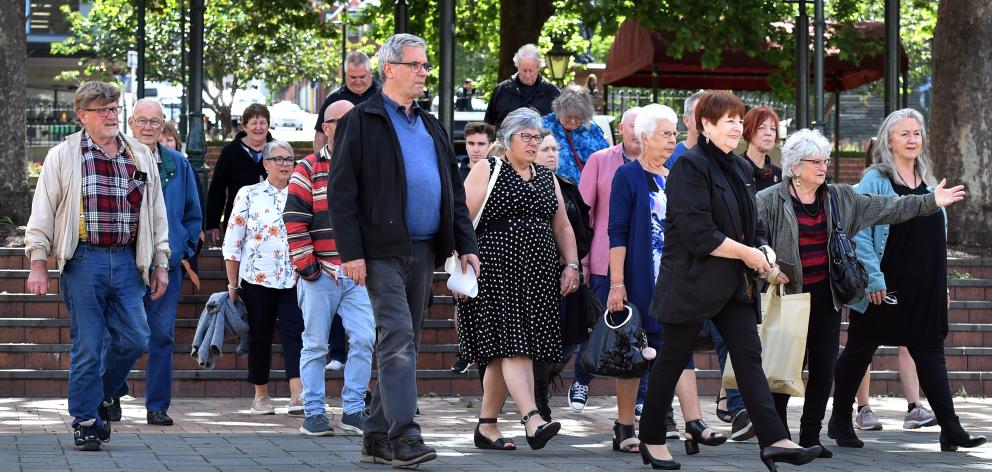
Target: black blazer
column 234, row 169
column 367, row 188
column 702, row 211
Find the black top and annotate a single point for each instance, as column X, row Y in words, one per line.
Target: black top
column 236, row 167
column 367, row 188
column 463, row 168
column 765, row 176
column 704, row 210
column 509, row 95
column 344, row 93
column 915, row 269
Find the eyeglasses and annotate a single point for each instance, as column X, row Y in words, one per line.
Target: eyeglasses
column 890, row 299
column 152, row 123
column 529, row 137
column 104, row 111
column 669, row 135
column 417, row 66
column 283, row 161
column 818, row 162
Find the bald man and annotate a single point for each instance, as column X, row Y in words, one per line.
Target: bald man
column 324, row 292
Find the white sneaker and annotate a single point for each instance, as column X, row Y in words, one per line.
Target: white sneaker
column 262, row 406
column 578, row 394
column 919, row 417
column 334, row 365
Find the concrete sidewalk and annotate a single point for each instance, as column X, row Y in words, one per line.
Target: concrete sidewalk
column 218, row 434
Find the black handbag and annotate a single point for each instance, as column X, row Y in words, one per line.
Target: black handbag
column 847, row 275
column 614, row 349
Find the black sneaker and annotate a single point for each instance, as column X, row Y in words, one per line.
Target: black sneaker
column 411, row 450
column 110, row 410
column 86, row 437
column 671, row 429
column 741, row 427
column 158, row 418
column 376, row 449
column 461, row 365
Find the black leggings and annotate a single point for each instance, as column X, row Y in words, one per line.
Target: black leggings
column 930, row 367
column 265, row 307
column 738, row 324
column 822, row 344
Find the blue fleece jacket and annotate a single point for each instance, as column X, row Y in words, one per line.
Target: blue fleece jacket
column 182, row 204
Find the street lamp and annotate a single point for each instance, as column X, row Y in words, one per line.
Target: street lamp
column 558, row 60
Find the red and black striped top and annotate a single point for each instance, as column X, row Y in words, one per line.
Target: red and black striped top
column 308, row 224
column 812, row 240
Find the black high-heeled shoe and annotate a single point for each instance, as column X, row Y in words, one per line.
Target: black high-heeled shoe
column 482, row 442
column 795, row 456
column 954, row 436
column 624, row 438
column 542, row 434
column 659, row 464
column 694, row 432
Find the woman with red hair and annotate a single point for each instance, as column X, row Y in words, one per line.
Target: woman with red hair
column 761, row 134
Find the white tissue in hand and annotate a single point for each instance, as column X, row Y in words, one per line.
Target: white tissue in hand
column 465, row 283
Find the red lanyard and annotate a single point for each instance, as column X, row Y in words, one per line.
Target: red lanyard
column 575, row 155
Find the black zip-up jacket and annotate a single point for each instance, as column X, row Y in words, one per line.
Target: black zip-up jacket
column 234, row 169
column 508, row 97
column 367, row 189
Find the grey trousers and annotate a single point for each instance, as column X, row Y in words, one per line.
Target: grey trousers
column 398, row 288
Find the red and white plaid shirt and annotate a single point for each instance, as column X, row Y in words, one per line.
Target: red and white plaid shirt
column 112, row 191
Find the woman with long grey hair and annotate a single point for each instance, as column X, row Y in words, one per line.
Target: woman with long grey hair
column 906, row 301
column 527, row 249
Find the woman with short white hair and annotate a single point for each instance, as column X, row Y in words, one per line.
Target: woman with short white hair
column 797, row 213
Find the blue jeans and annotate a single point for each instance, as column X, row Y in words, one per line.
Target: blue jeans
column 103, row 291
column 735, row 402
column 319, row 301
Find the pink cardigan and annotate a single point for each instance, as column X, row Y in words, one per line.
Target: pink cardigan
column 594, row 185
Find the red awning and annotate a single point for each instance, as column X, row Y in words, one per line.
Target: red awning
column 636, row 50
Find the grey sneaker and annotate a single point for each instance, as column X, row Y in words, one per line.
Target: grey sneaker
column 317, row 425
column 295, row 407
column 354, row 422
column 867, row 421
column 919, row 417
column 262, row 406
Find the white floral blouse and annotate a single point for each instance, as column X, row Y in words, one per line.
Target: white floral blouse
column 256, row 237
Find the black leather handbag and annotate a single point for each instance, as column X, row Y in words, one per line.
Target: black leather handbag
column 847, row 274
column 614, row 348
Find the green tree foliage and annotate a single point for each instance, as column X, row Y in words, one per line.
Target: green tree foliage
column 276, row 41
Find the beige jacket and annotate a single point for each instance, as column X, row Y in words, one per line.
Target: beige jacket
column 53, row 228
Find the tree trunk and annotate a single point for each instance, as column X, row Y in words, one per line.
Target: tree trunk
column 16, row 201
column 960, row 126
column 520, row 22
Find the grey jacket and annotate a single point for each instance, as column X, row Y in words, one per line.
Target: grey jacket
column 857, row 211
column 220, row 319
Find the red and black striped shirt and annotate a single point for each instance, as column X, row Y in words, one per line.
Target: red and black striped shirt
column 308, row 223
column 812, row 240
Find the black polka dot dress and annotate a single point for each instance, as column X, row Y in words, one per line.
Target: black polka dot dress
column 517, row 311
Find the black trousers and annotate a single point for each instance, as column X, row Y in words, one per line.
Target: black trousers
column 930, row 367
column 737, row 323
column 822, row 344
column 268, row 307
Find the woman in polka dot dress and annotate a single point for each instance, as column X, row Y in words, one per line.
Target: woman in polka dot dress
column 529, row 262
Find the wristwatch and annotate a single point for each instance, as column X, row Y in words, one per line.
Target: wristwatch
column 164, row 265
column 573, row 266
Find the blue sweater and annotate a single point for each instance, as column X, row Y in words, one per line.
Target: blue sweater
column 630, row 227
column 423, row 179
column 182, row 204
column 871, row 241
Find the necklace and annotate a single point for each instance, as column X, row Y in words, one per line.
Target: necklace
column 816, row 205
column 906, row 181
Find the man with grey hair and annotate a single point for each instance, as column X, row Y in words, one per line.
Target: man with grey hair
column 526, row 88
column 358, row 87
column 182, row 206
column 98, row 209
column 398, row 212
column 689, row 118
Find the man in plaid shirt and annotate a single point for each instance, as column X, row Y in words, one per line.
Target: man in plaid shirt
column 324, row 291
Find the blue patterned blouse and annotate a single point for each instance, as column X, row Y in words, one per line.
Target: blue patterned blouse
column 586, row 140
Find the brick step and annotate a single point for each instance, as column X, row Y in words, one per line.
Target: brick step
column 190, row 306
column 200, row 383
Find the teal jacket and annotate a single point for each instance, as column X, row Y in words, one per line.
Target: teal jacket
column 871, row 240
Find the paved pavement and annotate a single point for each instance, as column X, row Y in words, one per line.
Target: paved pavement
column 218, row 434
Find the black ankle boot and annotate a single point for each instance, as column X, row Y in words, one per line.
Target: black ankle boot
column 953, row 436
column 810, row 440
column 840, row 428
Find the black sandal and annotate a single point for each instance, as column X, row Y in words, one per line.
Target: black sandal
column 624, row 439
column 482, row 442
column 723, row 415
column 542, row 434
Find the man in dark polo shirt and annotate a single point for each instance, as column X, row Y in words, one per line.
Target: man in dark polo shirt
column 358, row 87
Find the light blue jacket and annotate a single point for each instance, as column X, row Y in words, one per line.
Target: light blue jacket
column 871, row 240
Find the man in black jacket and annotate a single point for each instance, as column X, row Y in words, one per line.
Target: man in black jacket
column 398, row 212
column 526, row 88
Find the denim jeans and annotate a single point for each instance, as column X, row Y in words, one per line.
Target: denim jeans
column 319, row 301
column 103, row 291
